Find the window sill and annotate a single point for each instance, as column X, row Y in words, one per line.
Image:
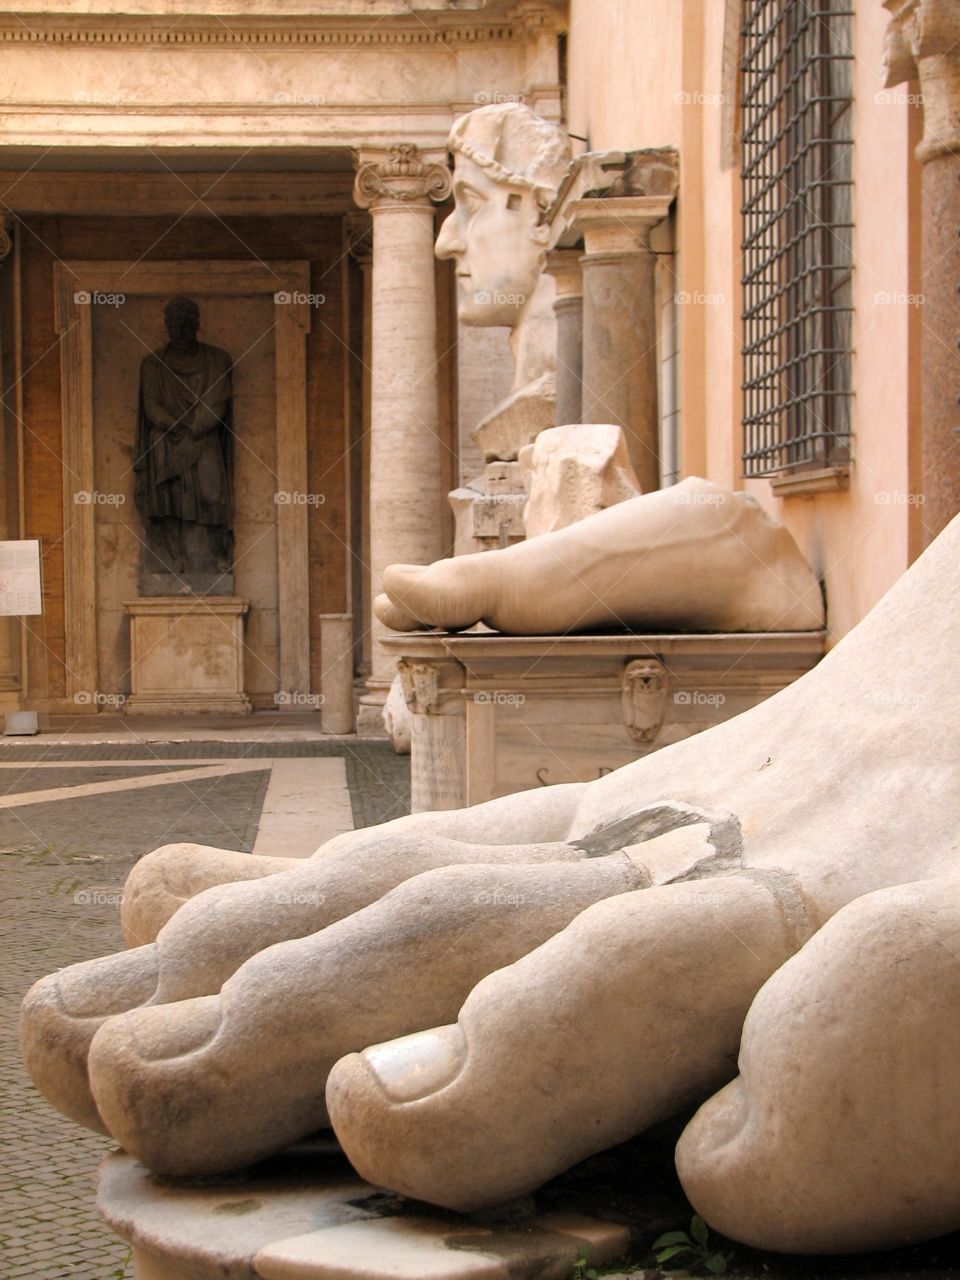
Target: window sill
column 803, row 484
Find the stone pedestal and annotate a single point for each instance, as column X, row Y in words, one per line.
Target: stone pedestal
column 186, row 655
column 398, row 186
column 305, row 1215
column 497, row 714
column 336, row 672
column 619, row 323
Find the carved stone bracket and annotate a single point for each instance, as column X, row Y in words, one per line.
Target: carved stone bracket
column 643, row 695
column 401, row 173
column 923, row 43
column 421, row 685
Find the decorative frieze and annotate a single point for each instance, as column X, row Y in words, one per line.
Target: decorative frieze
column 290, row 34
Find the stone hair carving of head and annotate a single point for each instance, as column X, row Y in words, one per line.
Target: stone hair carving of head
column 515, row 146
column 509, row 163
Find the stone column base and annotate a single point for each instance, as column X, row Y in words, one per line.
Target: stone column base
column 370, row 714
column 186, row 655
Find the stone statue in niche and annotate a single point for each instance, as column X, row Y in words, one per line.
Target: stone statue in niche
column 184, row 461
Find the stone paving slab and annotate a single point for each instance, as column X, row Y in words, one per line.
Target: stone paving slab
column 305, row 1215
column 307, row 803
column 16, row 779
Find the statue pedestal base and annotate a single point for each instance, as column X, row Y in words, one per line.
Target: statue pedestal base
column 306, row 1215
column 495, row 714
column 186, row 655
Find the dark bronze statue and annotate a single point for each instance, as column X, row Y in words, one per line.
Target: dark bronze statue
column 184, row 455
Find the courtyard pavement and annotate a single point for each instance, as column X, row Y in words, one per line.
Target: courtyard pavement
column 76, row 811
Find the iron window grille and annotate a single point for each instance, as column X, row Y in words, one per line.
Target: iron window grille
column 797, row 228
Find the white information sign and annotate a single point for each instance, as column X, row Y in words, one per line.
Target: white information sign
column 20, row 593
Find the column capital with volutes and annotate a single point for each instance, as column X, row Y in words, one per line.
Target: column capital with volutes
column 400, row 175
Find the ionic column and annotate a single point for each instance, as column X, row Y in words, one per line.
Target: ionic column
column 407, row 491
column 564, row 266
column 923, row 42
column 619, row 322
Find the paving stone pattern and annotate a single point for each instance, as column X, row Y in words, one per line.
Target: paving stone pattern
column 61, row 868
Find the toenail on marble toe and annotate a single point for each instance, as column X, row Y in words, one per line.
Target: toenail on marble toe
column 417, row 1066
column 167, row 1031
column 130, row 981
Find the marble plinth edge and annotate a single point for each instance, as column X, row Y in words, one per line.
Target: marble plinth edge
column 306, row 1216
column 494, row 714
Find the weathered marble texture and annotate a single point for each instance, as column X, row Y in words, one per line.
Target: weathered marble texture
column 575, row 471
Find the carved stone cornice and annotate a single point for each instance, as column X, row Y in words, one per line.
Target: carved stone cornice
column 400, row 174
column 191, row 31
column 923, row 43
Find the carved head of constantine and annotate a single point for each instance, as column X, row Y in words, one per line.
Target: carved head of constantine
column 509, row 163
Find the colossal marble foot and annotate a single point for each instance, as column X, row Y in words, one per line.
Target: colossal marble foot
column 216, row 931
column 164, row 879
column 842, row 785
column 625, row 1017
column 842, row 1131
column 209, row 1084
column 694, row 557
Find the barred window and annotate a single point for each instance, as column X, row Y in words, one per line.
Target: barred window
column 796, row 164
